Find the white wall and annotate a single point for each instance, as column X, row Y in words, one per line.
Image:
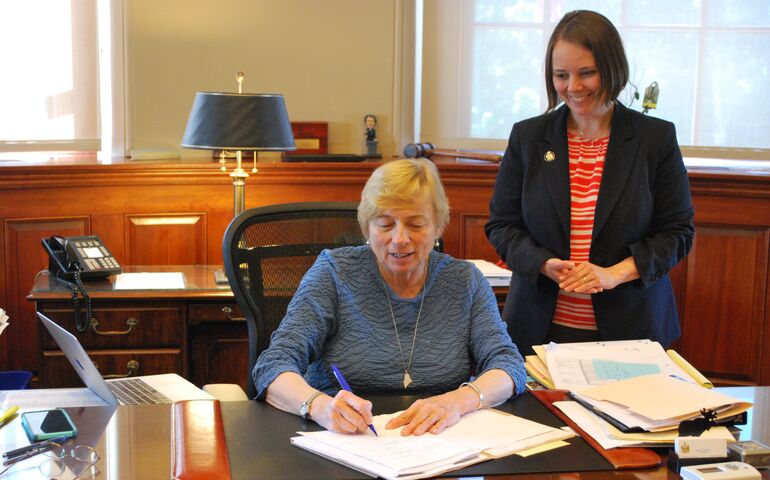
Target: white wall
column 333, row 60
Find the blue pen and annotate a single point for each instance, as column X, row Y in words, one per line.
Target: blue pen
column 345, row 386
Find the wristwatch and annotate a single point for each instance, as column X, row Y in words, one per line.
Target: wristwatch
column 304, row 410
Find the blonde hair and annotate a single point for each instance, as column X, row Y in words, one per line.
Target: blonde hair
column 403, row 182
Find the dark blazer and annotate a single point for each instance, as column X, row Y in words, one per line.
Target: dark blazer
column 644, row 210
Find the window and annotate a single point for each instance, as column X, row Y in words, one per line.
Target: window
column 707, row 56
column 50, row 88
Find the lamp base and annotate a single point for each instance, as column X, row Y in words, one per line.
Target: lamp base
column 220, row 278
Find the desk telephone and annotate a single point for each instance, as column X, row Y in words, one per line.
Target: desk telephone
column 75, row 259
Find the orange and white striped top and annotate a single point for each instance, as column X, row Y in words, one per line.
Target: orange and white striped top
column 586, row 165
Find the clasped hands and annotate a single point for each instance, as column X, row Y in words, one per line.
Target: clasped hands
column 348, row 413
column 579, row 277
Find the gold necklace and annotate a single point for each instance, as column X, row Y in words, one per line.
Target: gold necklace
column 407, row 366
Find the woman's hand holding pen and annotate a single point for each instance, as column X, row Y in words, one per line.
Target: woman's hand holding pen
column 343, row 413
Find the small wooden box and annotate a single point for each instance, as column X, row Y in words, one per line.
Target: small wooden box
column 311, row 137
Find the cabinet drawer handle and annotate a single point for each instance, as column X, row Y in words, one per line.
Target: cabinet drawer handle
column 227, row 311
column 131, row 323
column 132, row 366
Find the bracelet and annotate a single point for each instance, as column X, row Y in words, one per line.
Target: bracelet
column 478, row 392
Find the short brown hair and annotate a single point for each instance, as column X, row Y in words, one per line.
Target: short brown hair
column 597, row 34
column 403, row 183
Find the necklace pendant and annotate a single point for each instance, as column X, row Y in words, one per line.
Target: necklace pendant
column 407, row 379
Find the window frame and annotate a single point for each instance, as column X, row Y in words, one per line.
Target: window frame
column 468, row 27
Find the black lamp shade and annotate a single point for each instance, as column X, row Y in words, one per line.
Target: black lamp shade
column 238, row 121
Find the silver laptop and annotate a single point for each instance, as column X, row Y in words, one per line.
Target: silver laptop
column 149, row 389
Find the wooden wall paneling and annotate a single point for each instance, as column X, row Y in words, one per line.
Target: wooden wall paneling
column 473, row 240
column 107, row 194
column 24, row 258
column 166, row 239
column 724, row 302
column 678, row 277
column 110, row 229
column 4, row 299
column 469, row 188
column 764, row 359
column 217, row 224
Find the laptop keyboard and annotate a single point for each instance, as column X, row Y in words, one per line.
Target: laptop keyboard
column 134, row 391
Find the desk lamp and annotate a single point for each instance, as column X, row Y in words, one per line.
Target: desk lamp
column 238, row 122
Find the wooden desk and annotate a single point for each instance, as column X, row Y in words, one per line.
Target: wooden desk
column 197, row 332
column 135, row 443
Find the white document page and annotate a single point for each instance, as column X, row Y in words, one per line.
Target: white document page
column 3, row 320
column 574, row 366
column 392, row 456
column 489, row 269
column 45, row 398
column 643, row 395
column 609, row 437
column 629, row 418
column 174, row 387
column 591, row 424
column 496, row 276
column 150, row 281
column 498, row 433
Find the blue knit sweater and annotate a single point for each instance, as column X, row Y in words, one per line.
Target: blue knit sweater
column 340, row 314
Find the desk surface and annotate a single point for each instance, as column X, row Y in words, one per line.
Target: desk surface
column 135, row 442
column 198, row 283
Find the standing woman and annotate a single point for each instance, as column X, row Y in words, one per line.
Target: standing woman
column 591, row 207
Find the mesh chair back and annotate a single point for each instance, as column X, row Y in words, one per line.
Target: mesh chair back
column 267, row 251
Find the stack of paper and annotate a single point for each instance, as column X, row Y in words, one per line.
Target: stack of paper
column 3, row 320
column 479, row 436
column 630, row 392
column 496, row 276
column 636, row 403
column 610, row 437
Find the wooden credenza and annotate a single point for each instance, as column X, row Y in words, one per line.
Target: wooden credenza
column 176, row 214
column 196, row 331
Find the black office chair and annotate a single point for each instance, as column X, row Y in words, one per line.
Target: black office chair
column 267, row 251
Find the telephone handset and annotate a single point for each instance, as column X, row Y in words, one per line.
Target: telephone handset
column 74, row 259
column 86, row 256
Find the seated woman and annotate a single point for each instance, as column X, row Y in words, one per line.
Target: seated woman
column 395, row 316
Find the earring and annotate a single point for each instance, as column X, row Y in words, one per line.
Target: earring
column 436, row 244
column 367, row 241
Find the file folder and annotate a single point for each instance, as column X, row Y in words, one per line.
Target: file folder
column 620, row 458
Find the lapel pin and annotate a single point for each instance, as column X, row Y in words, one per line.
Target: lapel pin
column 549, row 156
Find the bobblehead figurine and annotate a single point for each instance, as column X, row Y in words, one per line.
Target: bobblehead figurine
column 370, row 133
